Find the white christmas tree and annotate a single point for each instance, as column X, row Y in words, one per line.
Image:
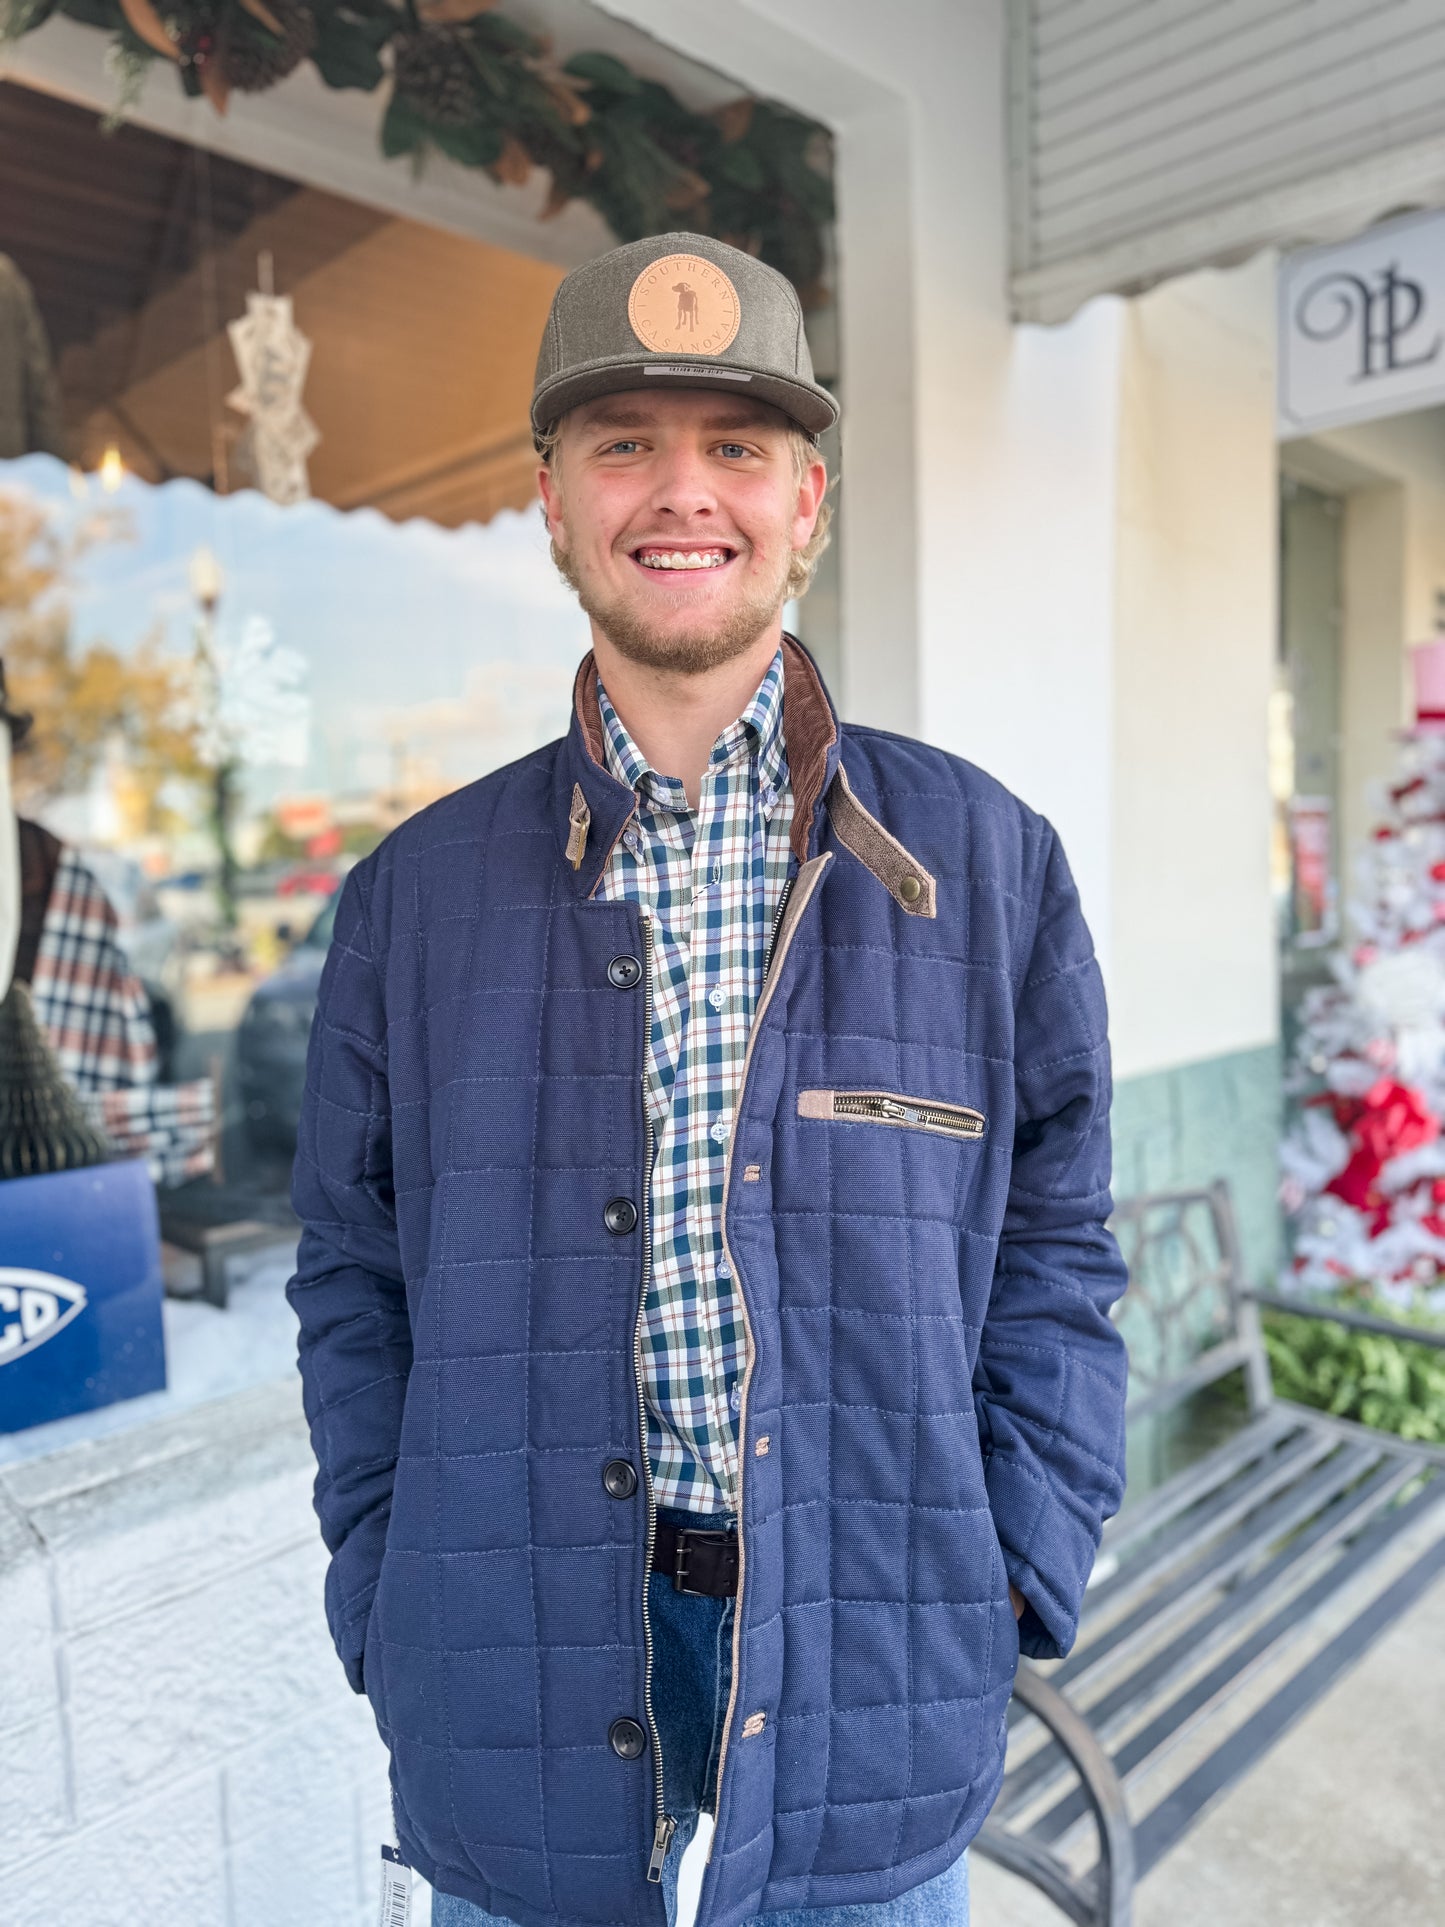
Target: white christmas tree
column 1364, row 1160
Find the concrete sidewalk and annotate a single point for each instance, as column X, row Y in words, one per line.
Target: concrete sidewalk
column 1341, row 1825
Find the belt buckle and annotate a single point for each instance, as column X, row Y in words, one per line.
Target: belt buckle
column 680, row 1557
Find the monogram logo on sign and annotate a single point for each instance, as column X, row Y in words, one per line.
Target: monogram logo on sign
column 1386, row 311
column 34, row 1306
column 683, row 305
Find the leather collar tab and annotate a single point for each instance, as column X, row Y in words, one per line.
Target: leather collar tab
column 585, row 784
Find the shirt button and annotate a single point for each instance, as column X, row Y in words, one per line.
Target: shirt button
column 724, row 1269
column 719, row 1132
column 717, row 998
column 631, row 841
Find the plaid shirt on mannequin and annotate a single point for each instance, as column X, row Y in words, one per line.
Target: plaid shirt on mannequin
column 710, row 879
column 96, row 1017
column 87, row 999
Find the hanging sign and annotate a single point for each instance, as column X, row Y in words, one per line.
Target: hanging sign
column 1362, row 326
column 273, row 356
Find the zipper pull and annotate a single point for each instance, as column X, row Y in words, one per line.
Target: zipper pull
column 661, row 1840
column 579, row 821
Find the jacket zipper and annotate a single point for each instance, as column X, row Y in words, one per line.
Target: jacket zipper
column 663, row 1824
column 919, row 1114
column 773, row 933
column 764, row 996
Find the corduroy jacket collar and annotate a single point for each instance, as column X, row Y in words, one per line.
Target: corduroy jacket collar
column 591, row 807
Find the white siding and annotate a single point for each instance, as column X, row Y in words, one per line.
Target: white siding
column 1152, row 136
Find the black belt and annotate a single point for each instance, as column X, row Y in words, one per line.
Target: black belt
column 697, row 1559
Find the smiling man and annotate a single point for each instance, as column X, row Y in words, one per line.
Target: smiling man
column 704, row 1285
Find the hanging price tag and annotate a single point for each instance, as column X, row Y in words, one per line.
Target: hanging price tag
column 395, row 1889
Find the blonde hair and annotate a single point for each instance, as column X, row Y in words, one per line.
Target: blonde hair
column 804, row 451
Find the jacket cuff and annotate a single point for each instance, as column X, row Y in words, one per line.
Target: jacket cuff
column 1047, row 1553
column 350, row 1641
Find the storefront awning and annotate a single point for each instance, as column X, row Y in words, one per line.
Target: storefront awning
column 1152, row 137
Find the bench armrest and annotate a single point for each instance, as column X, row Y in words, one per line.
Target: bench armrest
column 1104, row 1898
column 1357, row 1320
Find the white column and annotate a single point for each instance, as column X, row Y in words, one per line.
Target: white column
column 1193, row 944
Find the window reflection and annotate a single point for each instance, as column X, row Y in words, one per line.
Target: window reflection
column 237, row 693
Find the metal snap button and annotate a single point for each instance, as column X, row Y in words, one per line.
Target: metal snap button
column 619, row 1479
column 910, row 889
column 620, row 1216
column 627, row 1739
column 624, row 972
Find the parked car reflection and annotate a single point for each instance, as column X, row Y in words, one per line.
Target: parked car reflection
column 272, row 1038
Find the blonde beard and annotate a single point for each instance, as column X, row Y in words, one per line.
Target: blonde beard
column 692, row 653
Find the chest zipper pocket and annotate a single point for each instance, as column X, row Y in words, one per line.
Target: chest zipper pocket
column 892, row 1107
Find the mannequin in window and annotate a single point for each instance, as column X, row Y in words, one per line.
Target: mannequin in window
column 93, row 1009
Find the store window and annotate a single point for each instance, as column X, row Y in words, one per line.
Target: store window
column 1305, row 739
column 272, row 577
column 270, row 566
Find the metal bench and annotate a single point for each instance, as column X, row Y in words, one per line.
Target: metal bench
column 1226, row 1601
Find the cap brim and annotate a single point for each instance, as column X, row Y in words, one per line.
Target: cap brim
column 809, row 405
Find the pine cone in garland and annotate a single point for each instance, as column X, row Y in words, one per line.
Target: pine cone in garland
column 42, row 1125
column 433, row 71
column 252, row 58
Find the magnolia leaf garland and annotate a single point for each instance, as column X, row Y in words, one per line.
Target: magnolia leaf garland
column 468, row 82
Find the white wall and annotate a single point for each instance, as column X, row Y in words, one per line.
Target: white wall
column 1193, row 945
column 178, row 1743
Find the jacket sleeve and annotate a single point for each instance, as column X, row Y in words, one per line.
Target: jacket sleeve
column 348, row 1292
column 1050, row 1380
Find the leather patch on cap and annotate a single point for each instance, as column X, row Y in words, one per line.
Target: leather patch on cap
column 683, row 305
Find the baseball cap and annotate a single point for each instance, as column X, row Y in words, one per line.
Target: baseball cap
column 678, row 311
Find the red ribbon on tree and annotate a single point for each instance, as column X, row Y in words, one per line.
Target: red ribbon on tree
column 1388, row 1119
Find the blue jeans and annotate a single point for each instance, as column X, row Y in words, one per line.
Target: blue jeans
column 692, row 1659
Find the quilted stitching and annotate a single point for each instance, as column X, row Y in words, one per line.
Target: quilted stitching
column 936, row 1405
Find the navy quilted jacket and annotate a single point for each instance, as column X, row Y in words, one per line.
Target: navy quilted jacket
column 932, row 1406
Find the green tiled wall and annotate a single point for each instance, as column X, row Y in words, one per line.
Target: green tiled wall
column 1217, row 1118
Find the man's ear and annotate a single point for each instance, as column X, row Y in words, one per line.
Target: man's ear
column 551, row 496
column 812, row 487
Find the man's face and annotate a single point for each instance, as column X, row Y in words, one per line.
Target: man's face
column 676, row 517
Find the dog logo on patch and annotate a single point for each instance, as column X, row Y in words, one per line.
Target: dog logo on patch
column 34, row 1306
column 683, row 305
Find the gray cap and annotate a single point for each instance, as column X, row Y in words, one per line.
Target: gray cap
column 680, row 311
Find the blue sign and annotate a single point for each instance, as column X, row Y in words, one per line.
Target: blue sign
column 80, row 1292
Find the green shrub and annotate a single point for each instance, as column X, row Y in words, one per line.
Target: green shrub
column 1389, row 1383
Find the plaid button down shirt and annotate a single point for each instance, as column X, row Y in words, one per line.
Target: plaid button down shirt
column 96, row 1019
column 710, row 879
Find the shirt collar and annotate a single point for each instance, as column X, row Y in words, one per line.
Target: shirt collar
column 758, row 730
